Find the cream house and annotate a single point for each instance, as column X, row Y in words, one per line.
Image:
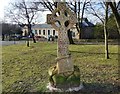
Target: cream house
column 46, row 30
column 25, row 31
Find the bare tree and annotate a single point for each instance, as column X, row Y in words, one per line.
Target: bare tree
column 101, row 13
column 79, row 7
column 97, row 10
column 51, row 5
column 74, row 6
column 85, row 3
column 9, row 29
column 24, row 13
column 106, row 32
column 114, row 6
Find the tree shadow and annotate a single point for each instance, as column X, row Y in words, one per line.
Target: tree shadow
column 100, row 88
column 92, row 52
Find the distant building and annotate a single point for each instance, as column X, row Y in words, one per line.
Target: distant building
column 87, row 29
column 25, row 31
column 47, row 30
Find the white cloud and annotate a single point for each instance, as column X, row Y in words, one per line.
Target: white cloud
column 3, row 4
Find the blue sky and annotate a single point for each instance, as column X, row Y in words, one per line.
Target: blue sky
column 5, row 4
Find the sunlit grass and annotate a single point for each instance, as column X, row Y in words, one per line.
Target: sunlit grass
column 25, row 69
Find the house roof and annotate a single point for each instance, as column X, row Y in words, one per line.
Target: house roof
column 86, row 23
column 42, row 26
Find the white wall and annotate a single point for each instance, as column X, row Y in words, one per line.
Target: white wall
column 25, row 30
column 76, row 33
column 46, row 32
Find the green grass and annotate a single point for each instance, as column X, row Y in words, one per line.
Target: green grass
column 25, row 69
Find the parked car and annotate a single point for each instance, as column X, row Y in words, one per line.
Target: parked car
column 40, row 38
column 24, row 37
column 15, row 37
column 50, row 38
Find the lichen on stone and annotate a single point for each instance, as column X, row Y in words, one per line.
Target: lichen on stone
column 64, row 80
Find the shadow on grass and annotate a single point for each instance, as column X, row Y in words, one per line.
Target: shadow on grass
column 92, row 52
column 100, row 88
column 89, row 88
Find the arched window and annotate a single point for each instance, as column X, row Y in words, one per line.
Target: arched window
column 40, row 32
column 43, row 32
column 53, row 32
column 48, row 32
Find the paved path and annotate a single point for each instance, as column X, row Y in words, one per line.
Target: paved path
column 6, row 43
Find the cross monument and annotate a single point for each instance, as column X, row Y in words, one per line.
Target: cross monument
column 62, row 19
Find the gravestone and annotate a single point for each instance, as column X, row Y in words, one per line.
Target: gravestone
column 64, row 74
column 62, row 19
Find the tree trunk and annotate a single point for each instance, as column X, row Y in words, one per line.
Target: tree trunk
column 28, row 42
column 70, row 37
column 78, row 25
column 9, row 37
column 106, row 43
column 28, row 35
column 30, row 32
column 3, row 37
column 33, row 37
column 106, row 32
column 81, row 31
column 34, row 41
column 116, row 14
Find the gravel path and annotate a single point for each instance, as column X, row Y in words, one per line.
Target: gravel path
column 6, row 43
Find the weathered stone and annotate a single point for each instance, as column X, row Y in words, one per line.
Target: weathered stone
column 64, row 75
column 64, row 81
column 62, row 19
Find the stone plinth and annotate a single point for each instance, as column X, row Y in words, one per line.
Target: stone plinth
column 64, row 81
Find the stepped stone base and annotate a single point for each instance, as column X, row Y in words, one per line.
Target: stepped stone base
column 64, row 81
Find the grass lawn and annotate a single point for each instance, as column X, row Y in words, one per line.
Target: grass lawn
column 25, row 69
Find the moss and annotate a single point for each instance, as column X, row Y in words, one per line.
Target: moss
column 59, row 79
column 64, row 80
column 73, row 79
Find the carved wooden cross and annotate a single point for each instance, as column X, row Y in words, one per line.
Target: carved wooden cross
column 62, row 19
